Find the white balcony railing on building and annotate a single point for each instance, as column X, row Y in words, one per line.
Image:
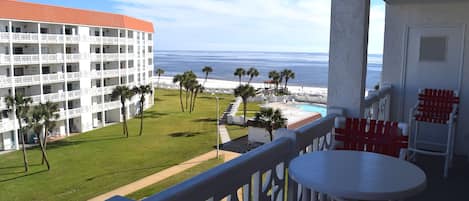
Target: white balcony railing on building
column 75, row 94
column 94, row 39
column 111, row 73
column 27, row 80
column 110, row 57
column 52, row 58
column 4, row 59
column 122, row 41
column 72, row 38
column 95, row 57
column 51, row 78
column 52, row 38
column 73, row 76
column 110, row 40
column 73, row 57
column 6, row 125
column 72, row 113
column 4, row 37
column 108, row 90
column 261, row 173
column 26, row 59
column 112, row 105
column 25, row 37
column 54, row 97
column 378, row 103
column 3, row 105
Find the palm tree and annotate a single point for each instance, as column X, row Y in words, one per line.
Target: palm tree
column 198, row 89
column 252, row 72
column 124, row 93
column 179, row 79
column 20, row 105
column 188, row 82
column 245, row 91
column 158, row 72
column 207, row 70
column 142, row 90
column 50, row 115
column 240, row 72
column 36, row 124
column 275, row 76
column 288, row 74
column 192, row 84
column 270, row 120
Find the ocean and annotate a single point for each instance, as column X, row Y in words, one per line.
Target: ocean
column 310, row 69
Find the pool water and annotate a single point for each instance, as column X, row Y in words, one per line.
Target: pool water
column 313, row 108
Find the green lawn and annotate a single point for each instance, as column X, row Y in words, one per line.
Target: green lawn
column 162, row 185
column 252, row 109
column 98, row 161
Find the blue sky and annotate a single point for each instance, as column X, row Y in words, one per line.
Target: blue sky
column 237, row 25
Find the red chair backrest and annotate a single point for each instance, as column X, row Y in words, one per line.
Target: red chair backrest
column 436, row 105
column 382, row 137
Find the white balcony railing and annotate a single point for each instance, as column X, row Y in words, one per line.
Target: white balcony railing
column 52, row 38
column 130, row 40
column 73, row 76
column 112, row 105
column 51, row 78
column 72, row 113
column 378, row 103
column 108, row 90
column 111, row 73
column 4, row 37
column 76, row 94
column 95, row 57
column 54, row 97
column 110, row 57
column 6, row 125
column 73, row 57
column 26, row 59
column 94, row 39
column 122, row 41
column 52, row 58
column 27, row 80
column 25, row 37
column 261, row 173
column 72, row 38
column 110, row 40
column 3, row 105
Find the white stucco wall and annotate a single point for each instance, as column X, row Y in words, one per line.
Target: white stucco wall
column 401, row 15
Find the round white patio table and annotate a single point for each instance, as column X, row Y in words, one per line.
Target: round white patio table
column 355, row 175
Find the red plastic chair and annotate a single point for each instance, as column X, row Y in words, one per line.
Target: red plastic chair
column 436, row 106
column 376, row 136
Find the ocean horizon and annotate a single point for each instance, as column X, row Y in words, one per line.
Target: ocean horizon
column 311, row 69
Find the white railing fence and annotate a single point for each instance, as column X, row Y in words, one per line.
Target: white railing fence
column 378, row 103
column 261, row 174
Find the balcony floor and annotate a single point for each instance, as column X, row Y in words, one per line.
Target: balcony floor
column 454, row 188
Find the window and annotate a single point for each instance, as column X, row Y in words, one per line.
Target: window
column 97, row 50
column 433, row 48
column 150, row 36
column 47, row 89
column 18, row 50
column 44, row 30
column 17, row 29
column 69, row 68
column 45, row 70
column 68, row 50
column 68, row 31
column 19, row 72
column 98, row 67
column 96, row 33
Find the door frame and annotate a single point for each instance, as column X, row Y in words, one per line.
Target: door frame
column 405, row 46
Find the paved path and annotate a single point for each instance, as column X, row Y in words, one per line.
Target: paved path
column 224, row 135
column 166, row 173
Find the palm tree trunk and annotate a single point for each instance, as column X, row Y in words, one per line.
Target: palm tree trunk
column 44, row 155
column 20, row 136
column 123, row 117
column 286, row 81
column 141, row 117
column 250, row 79
column 44, row 144
column 187, row 97
column 240, row 80
column 190, row 103
column 195, row 98
column 271, row 136
column 180, row 98
column 244, row 108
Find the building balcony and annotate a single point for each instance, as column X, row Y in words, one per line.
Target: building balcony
column 73, row 113
column 73, row 76
column 112, row 105
column 4, row 37
column 105, row 56
column 27, row 80
column 111, row 73
column 52, row 38
column 75, row 94
column 6, row 125
column 25, row 59
column 107, row 40
column 25, row 37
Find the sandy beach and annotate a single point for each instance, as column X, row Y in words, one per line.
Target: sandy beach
column 167, row 82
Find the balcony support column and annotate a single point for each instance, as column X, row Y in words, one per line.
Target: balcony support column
column 41, row 82
column 13, row 91
column 64, row 57
column 348, row 55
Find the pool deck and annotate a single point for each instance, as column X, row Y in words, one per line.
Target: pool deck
column 296, row 117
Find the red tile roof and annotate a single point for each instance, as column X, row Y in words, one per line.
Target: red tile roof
column 11, row 9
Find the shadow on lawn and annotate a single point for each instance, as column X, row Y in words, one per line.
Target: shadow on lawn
column 210, row 98
column 184, row 134
column 21, row 176
column 153, row 114
column 205, row 120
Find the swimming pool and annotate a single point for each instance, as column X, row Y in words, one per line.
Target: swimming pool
column 313, row 108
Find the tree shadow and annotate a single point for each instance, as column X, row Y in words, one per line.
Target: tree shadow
column 154, row 114
column 211, row 98
column 158, row 99
column 63, row 143
column 169, row 95
column 21, row 176
column 205, row 120
column 184, row 134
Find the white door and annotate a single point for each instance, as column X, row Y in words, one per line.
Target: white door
column 434, row 60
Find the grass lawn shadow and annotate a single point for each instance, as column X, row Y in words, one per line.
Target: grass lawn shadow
column 205, row 120
column 184, row 134
column 153, row 114
column 21, row 176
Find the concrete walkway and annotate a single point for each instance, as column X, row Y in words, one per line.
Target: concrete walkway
column 166, row 173
column 224, row 135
